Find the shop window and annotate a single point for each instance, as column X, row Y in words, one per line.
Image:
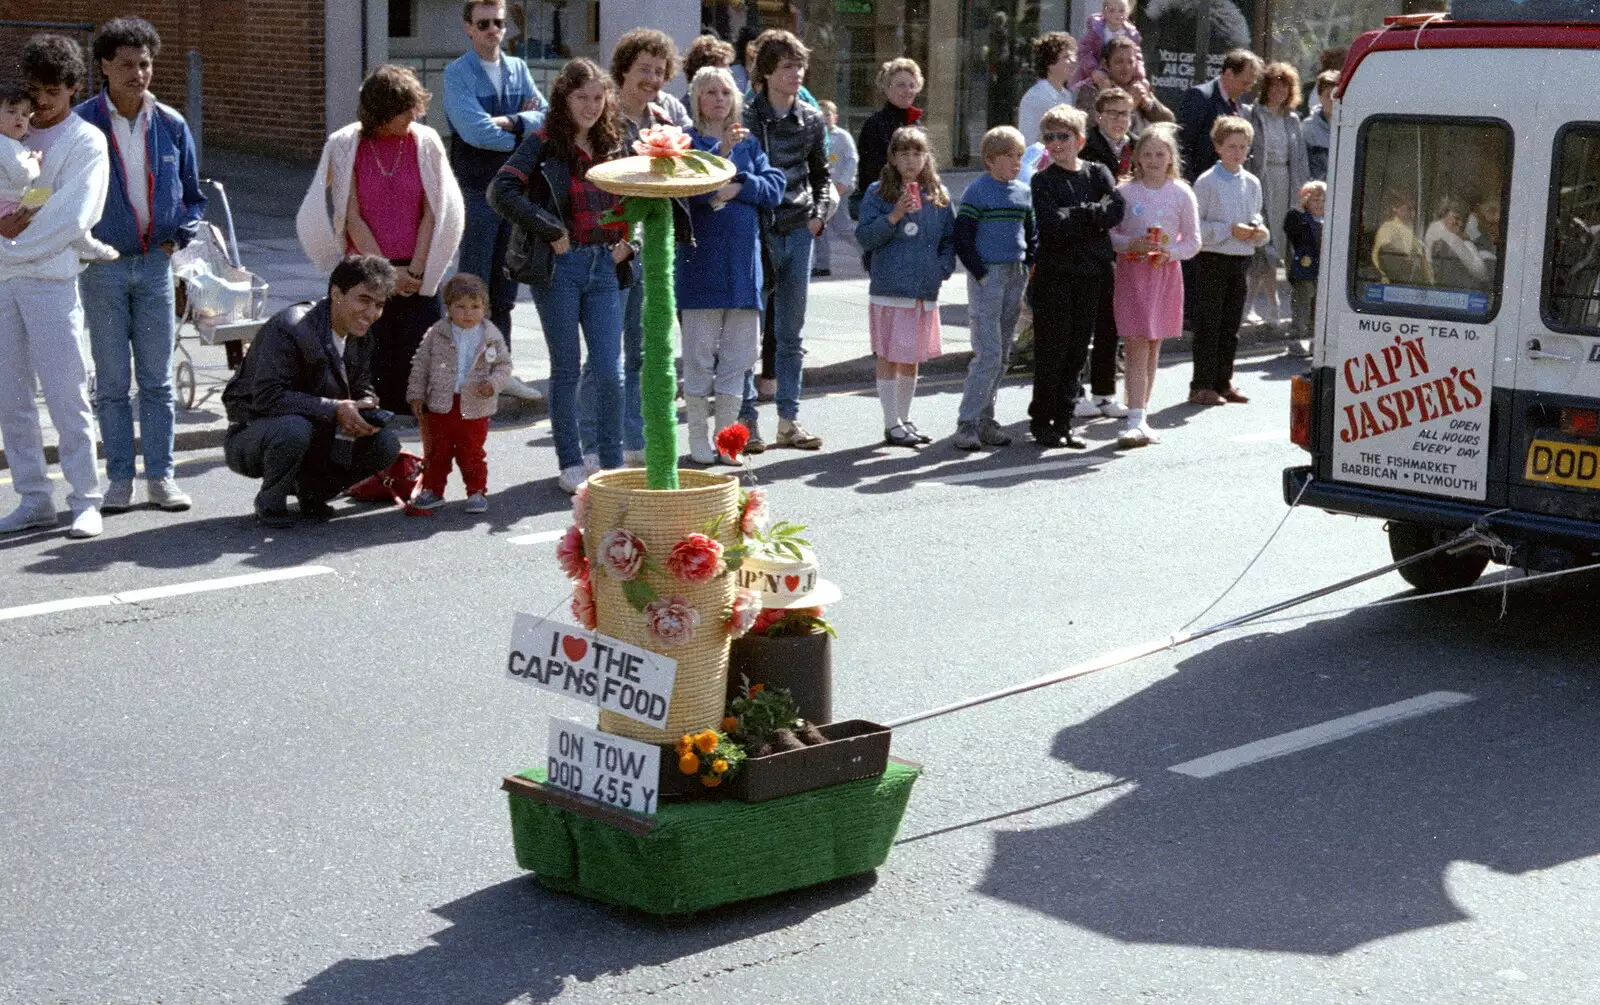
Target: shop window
column 1571, row 300
column 402, row 18
column 1428, row 234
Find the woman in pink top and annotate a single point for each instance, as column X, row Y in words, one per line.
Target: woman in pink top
column 384, row 187
column 1160, row 228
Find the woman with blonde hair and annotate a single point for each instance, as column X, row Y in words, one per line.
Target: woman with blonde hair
column 384, row 187
column 899, row 81
column 1278, row 159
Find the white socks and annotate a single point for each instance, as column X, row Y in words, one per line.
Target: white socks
column 888, row 398
column 905, row 385
column 1135, row 418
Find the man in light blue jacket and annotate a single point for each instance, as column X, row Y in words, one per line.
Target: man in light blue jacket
column 492, row 104
column 153, row 208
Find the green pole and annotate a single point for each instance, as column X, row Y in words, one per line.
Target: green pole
column 659, row 381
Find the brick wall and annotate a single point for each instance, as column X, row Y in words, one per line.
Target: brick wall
column 263, row 79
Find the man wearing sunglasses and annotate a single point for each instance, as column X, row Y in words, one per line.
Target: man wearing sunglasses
column 492, row 103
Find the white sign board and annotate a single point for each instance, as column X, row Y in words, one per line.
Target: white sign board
column 593, row 668
column 608, row 769
column 1411, row 405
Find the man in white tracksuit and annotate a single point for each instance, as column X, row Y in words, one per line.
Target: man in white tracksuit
column 41, row 318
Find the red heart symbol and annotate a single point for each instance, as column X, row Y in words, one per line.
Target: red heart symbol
column 792, row 583
column 574, row 648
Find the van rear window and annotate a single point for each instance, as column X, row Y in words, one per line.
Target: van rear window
column 1571, row 300
column 1429, row 234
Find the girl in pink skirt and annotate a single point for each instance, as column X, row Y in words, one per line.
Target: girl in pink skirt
column 1160, row 228
column 908, row 232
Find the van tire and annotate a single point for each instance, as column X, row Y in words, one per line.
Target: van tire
column 1443, row 571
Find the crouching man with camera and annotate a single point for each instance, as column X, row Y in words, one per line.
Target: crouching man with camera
column 303, row 416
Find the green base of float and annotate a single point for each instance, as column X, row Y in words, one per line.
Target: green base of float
column 700, row 854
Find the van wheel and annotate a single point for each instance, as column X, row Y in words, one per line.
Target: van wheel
column 1443, row 571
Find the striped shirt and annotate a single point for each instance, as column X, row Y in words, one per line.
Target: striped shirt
column 994, row 224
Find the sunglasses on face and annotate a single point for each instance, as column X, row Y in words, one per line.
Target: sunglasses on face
column 485, row 23
column 1059, row 137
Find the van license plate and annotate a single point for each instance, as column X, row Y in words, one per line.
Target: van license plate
column 1563, row 464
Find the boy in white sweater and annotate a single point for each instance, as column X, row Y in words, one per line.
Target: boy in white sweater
column 19, row 168
column 41, row 318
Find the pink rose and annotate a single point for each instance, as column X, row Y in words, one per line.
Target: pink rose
column 671, row 620
column 580, row 505
column 622, row 554
column 570, row 555
column 746, row 605
column 583, row 611
column 696, row 559
column 754, row 517
column 662, row 141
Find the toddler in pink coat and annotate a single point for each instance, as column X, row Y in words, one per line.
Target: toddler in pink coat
column 1115, row 18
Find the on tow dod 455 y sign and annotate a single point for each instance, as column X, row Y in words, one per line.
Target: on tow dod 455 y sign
column 1411, row 408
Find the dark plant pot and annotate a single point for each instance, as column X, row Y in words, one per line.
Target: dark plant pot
column 801, row 663
column 855, row 749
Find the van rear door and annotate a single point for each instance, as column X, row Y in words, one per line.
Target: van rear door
column 1554, row 438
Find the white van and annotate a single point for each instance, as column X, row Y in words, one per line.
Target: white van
column 1456, row 373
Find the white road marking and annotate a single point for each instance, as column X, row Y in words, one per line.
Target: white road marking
column 161, row 592
column 538, row 537
column 1269, row 436
column 1323, row 732
column 987, row 475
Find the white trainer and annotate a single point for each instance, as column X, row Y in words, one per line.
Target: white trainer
column 118, row 497
column 571, row 478
column 29, row 517
column 165, row 494
column 86, row 524
column 517, row 388
column 1085, row 409
column 1111, row 408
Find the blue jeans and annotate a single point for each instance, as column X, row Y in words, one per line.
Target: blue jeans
column 583, row 291
column 993, row 306
column 787, row 285
column 128, row 305
column 483, row 254
column 632, row 371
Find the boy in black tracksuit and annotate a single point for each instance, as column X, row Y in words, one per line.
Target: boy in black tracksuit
column 1076, row 203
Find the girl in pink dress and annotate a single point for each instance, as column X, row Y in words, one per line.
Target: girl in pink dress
column 1160, row 228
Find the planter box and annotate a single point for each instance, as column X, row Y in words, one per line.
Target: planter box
column 856, row 749
column 702, row 853
column 802, row 664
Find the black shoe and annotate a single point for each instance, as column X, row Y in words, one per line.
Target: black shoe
column 900, row 436
column 277, row 519
column 1074, row 441
column 315, row 509
column 1045, row 436
column 817, row 273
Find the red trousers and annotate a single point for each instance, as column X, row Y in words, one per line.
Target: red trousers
column 447, row 436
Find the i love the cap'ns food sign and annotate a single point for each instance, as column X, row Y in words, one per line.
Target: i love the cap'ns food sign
column 592, row 668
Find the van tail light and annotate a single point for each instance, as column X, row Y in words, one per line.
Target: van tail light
column 1300, row 399
column 1580, row 422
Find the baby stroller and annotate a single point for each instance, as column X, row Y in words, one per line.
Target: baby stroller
column 219, row 302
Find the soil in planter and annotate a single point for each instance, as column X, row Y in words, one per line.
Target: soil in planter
column 810, row 735
column 784, row 739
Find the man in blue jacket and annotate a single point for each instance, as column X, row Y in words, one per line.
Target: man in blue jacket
column 152, row 209
column 492, row 104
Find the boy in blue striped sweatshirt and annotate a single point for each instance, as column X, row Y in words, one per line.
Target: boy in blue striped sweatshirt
column 996, row 241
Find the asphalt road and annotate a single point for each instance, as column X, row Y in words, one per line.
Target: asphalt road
column 288, row 790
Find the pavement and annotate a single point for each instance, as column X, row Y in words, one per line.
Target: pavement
column 235, row 790
column 264, row 196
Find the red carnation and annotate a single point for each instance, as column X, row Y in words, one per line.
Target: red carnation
column 731, row 440
column 696, row 559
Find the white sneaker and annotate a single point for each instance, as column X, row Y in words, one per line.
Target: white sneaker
column 591, row 463
column 165, row 494
column 1150, row 435
column 1085, row 409
column 86, row 524
column 633, row 458
column 1130, row 438
column 516, row 388
column 571, row 478
column 1111, row 408
column 118, row 497
column 26, row 517
column 1252, row 318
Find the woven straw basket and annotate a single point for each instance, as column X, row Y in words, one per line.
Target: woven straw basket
column 661, row 519
column 632, row 176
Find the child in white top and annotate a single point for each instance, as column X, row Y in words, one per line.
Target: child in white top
column 19, row 169
column 842, row 162
column 1115, row 18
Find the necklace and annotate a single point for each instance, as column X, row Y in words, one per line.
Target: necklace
column 388, row 172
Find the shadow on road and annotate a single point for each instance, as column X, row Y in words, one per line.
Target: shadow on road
column 1346, row 843
column 517, row 940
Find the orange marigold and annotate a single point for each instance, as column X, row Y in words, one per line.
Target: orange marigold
column 711, row 781
column 756, row 689
column 688, row 764
column 706, row 742
column 729, row 723
column 685, row 744
column 719, row 766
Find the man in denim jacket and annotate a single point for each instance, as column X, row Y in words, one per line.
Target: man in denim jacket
column 492, row 103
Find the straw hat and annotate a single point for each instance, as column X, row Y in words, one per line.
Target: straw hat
column 632, row 176
column 786, row 583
